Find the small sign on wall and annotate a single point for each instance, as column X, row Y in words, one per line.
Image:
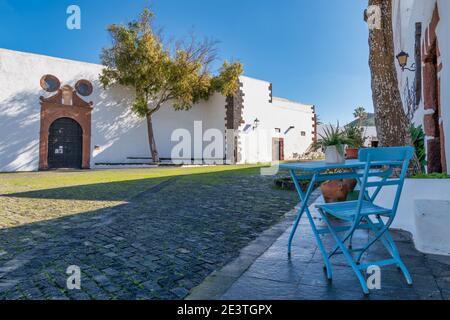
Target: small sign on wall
column 60, row 150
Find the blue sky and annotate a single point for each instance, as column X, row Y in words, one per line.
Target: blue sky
column 314, row 51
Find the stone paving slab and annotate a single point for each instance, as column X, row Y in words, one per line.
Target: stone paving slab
column 213, row 287
column 274, row 276
column 159, row 245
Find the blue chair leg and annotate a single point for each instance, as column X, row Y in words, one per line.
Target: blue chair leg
column 396, row 255
column 405, row 272
column 383, row 239
column 349, row 237
column 346, row 254
column 379, row 232
column 390, row 246
column 321, row 248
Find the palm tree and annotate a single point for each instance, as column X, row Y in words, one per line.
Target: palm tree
column 360, row 114
column 318, row 120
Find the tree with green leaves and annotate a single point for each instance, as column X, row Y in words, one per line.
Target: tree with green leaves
column 161, row 73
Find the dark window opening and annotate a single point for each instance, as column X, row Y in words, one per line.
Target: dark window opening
column 418, row 61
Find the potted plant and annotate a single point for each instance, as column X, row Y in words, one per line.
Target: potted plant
column 334, row 191
column 356, row 141
column 337, row 190
column 333, row 142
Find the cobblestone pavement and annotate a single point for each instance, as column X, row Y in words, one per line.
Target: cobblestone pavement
column 159, row 245
column 274, row 276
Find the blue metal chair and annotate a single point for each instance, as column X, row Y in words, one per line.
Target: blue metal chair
column 381, row 165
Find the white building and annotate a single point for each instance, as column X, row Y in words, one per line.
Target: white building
column 369, row 130
column 69, row 127
column 422, row 30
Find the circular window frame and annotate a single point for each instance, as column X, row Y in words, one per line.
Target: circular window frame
column 84, row 82
column 44, row 85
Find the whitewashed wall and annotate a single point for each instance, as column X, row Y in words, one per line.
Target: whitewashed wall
column 20, row 74
column 256, row 144
column 115, row 129
column 370, row 134
column 405, row 15
column 423, row 208
column 118, row 134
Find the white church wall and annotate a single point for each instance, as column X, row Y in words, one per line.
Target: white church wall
column 256, row 144
column 20, row 74
column 423, row 206
column 116, row 132
column 256, row 100
column 118, row 142
column 300, row 117
column 406, row 13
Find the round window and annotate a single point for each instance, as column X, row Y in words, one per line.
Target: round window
column 84, row 88
column 50, row 83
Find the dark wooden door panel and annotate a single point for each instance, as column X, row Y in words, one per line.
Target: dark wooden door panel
column 65, row 142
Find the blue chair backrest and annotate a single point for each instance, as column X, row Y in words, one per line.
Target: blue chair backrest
column 387, row 154
column 395, row 158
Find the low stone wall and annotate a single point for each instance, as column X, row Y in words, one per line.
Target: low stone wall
column 424, row 211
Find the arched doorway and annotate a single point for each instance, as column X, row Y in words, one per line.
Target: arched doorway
column 65, row 144
column 65, row 134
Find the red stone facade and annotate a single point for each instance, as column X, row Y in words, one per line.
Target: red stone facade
column 433, row 126
column 65, row 104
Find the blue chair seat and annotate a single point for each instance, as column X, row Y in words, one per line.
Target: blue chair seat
column 348, row 210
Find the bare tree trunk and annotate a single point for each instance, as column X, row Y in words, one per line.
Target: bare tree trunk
column 151, row 139
column 390, row 117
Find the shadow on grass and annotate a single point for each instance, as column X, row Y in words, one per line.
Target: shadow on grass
column 122, row 190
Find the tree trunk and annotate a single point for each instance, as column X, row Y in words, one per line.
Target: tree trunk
column 390, row 117
column 151, row 139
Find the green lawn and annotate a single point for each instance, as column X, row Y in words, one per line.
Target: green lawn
column 38, row 196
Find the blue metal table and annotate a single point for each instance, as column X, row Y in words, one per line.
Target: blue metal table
column 315, row 171
column 359, row 213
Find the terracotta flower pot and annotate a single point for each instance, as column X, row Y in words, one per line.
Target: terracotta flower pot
column 334, row 191
column 350, row 184
column 352, row 153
